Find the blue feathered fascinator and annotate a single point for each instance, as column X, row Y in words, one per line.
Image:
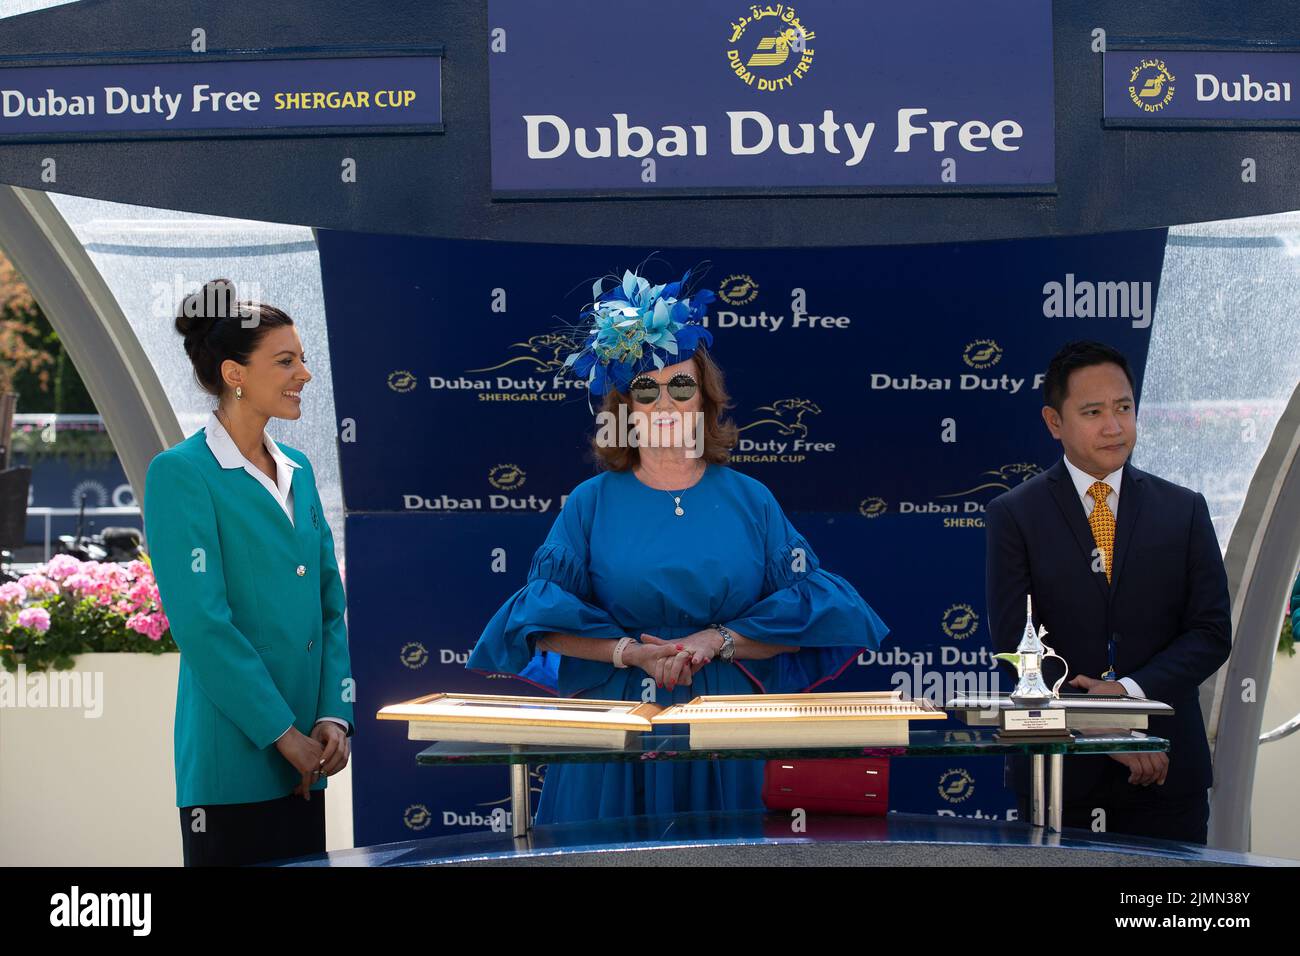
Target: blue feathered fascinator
column 636, row 326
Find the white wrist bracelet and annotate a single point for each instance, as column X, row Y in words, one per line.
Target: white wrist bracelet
column 618, row 651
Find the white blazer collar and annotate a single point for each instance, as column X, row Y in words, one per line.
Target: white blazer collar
column 227, row 452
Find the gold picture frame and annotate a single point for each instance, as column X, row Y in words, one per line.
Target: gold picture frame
column 500, row 718
column 866, row 718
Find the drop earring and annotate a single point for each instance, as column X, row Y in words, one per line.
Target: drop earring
column 239, row 391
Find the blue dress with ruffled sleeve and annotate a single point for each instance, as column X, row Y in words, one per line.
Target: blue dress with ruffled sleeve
column 619, row 562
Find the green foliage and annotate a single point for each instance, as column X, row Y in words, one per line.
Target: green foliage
column 58, row 390
column 91, row 606
column 76, row 627
column 70, row 394
column 81, row 448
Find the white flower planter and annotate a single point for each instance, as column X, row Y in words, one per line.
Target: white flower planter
column 79, row 790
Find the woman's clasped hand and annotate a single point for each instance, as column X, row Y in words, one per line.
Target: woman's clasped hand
column 674, row 662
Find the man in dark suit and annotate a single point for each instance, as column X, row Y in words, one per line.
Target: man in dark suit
column 1126, row 575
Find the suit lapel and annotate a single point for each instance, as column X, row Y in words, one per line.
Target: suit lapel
column 1129, row 503
column 1058, row 479
column 268, row 505
column 302, row 504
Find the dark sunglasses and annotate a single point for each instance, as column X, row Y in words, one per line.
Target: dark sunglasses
column 681, row 388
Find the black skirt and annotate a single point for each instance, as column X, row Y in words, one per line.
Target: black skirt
column 240, row 834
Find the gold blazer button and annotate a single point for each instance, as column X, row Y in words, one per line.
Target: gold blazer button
column 302, row 569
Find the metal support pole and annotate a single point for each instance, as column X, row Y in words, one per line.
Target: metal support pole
column 520, row 812
column 1055, row 791
column 1036, row 801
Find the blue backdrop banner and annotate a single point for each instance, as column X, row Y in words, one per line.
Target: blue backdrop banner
column 884, row 394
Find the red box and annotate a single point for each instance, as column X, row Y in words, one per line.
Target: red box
column 857, row 787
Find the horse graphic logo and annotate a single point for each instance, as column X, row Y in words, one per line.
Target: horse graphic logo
column 545, row 353
column 787, row 415
column 999, row 479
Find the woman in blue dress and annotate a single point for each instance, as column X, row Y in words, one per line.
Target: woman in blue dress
column 669, row 575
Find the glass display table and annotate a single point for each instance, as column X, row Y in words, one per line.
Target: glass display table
column 1045, row 796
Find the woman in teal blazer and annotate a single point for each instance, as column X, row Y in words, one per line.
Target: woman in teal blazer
column 248, row 579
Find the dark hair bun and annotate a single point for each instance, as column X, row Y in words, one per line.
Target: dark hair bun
column 212, row 320
column 201, row 310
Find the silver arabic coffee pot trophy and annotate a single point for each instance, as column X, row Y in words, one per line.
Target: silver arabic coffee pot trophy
column 1028, row 659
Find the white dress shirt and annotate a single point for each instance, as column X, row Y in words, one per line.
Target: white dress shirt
column 1082, row 482
column 228, row 455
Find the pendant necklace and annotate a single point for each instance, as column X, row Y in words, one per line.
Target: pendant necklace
column 677, row 500
column 677, row 497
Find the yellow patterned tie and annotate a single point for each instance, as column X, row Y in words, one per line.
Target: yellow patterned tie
column 1102, row 522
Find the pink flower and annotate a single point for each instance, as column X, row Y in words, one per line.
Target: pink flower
column 80, row 583
column 38, row 584
column 109, row 580
column 152, row 626
column 138, row 570
column 111, row 575
column 143, row 593
column 62, row 565
column 37, row 618
column 12, row 593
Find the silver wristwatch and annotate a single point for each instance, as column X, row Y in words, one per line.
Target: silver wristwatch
column 728, row 643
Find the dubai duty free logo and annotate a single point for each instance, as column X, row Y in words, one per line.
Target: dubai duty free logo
column 413, row 655
column 1151, row 85
column 960, row 621
column 506, row 477
column 982, row 354
column 956, row 785
column 768, row 49
column 872, row 507
column 738, row 289
column 402, row 380
column 417, row 816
